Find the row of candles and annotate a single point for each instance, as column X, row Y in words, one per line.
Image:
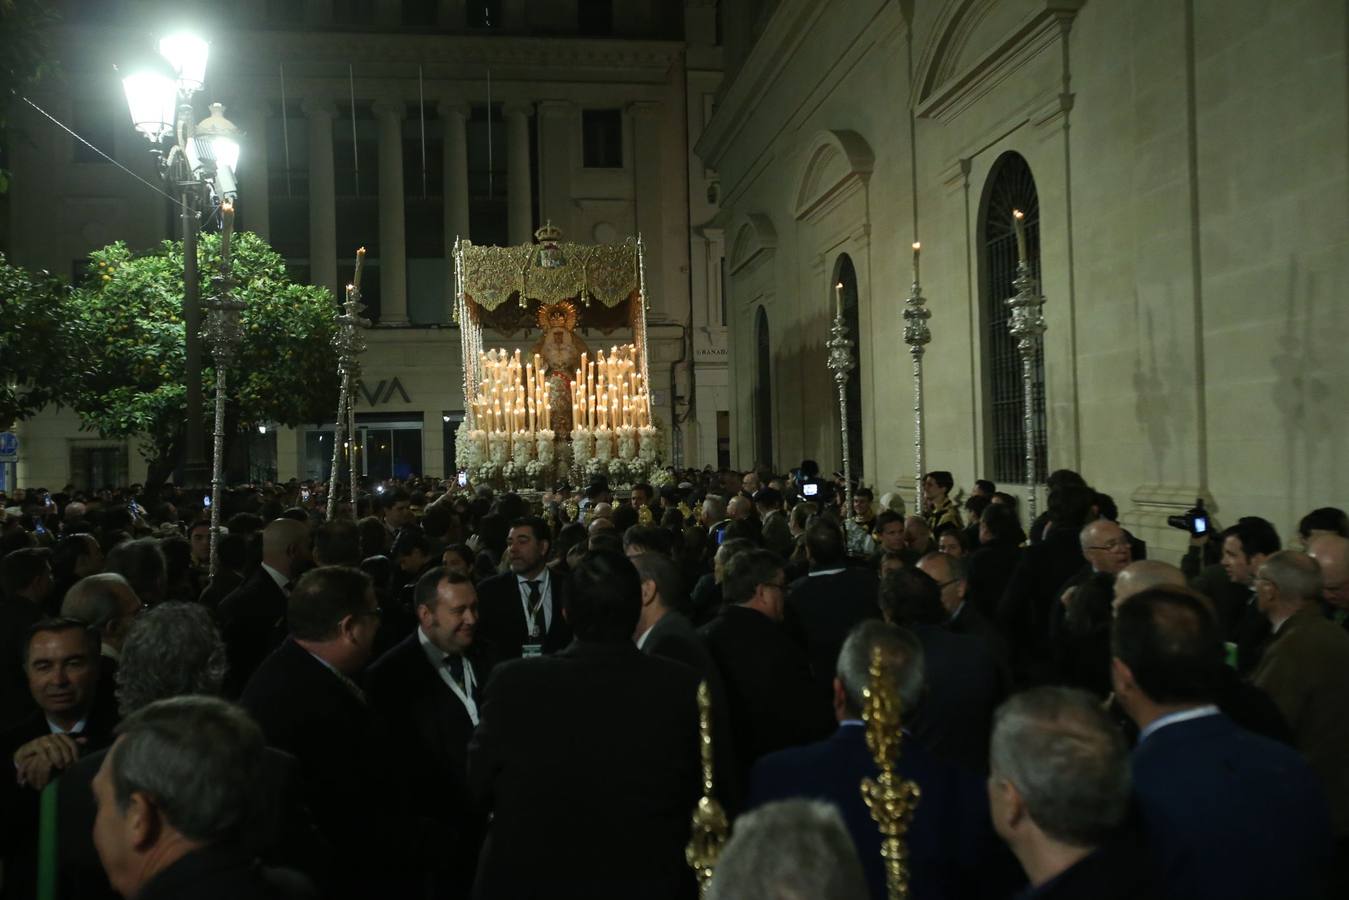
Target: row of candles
column 608, row 391
column 1018, row 226
column 512, row 397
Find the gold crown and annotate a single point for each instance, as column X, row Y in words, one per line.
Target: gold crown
column 549, row 232
column 558, row 315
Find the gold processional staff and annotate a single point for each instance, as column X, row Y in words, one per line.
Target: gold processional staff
column 891, row 799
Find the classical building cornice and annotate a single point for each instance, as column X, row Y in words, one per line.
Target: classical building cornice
column 242, row 53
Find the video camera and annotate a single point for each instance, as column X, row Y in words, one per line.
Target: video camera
column 1195, row 520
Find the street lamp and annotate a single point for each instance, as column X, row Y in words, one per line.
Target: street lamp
column 199, row 164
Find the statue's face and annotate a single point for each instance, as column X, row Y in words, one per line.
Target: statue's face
column 559, row 335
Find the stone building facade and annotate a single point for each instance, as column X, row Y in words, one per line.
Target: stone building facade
column 1185, row 168
column 401, row 125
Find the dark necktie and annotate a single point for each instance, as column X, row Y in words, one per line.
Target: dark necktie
column 536, row 623
column 456, row 664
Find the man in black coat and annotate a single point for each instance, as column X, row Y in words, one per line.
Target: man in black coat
column 253, row 617
column 160, row 835
column 773, row 699
column 588, row 759
column 991, row 565
column 824, row 606
column 305, row 700
column 520, row 611
column 962, row 684
column 664, row 631
column 427, row 688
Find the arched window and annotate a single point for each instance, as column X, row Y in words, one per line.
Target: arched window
column 763, row 392
column 846, row 275
column 1010, row 186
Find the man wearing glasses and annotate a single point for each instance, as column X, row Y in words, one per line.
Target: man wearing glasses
column 308, row 705
column 772, row 698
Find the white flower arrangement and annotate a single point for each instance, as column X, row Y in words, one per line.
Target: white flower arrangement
column 536, row 470
column 522, row 448
column 544, row 448
column 582, row 446
column 485, row 472
column 498, row 447
column 465, row 453
column 594, row 467
column 648, row 437
column 661, row 478
column 604, row 443
column 626, row 439
column 511, row 472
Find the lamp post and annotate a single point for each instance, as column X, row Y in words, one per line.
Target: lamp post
column 199, row 162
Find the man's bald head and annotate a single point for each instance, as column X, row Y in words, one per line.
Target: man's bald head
column 740, row 507
column 1143, row 575
column 285, row 542
column 1331, row 553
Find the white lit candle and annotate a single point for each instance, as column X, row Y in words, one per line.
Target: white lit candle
column 916, row 247
column 1019, row 225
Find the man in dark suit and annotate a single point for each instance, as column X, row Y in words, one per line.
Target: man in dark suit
column 173, row 650
column 253, row 618
column 160, row 835
column 951, row 575
column 991, row 565
column 62, row 664
column 26, row 582
column 427, row 688
column 773, row 700
column 825, row 605
column 521, row 610
column 1227, row 813
column 1059, row 792
column 962, row 686
column 305, row 700
column 949, row 838
column 664, row 631
column 588, row 759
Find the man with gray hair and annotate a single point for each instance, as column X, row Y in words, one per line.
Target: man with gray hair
column 945, row 839
column 788, row 851
column 1305, row 670
column 108, row 604
column 160, row 833
column 1143, row 574
column 1059, row 791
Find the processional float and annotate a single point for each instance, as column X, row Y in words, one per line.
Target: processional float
column 561, row 410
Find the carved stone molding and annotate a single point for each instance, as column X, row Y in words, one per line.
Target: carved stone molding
column 837, row 164
column 950, row 79
column 755, row 241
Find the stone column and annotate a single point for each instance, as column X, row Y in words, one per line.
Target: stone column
column 322, row 200
column 520, row 227
column 557, row 143
column 455, row 191
column 254, row 208
column 392, row 246
column 648, row 194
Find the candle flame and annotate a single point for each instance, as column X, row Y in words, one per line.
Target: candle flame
column 917, row 246
column 1018, row 214
column 360, row 251
column 839, row 286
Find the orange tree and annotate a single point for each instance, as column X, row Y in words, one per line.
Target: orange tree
column 126, row 317
column 34, row 345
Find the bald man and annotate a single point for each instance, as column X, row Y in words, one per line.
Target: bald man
column 1139, row 576
column 253, row 617
column 1331, row 553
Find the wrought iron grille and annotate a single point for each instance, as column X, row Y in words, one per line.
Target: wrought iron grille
column 763, row 392
column 1012, row 187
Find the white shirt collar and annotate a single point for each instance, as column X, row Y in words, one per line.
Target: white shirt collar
column 76, row 729
column 281, row 580
column 827, row 571
column 541, row 578
column 1185, row 715
column 642, row 640
column 111, row 652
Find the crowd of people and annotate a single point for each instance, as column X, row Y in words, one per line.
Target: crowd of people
column 449, row 692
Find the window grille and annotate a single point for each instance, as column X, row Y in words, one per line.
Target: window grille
column 1011, row 187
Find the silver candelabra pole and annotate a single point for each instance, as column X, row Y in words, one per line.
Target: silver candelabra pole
column 917, row 335
column 841, row 364
column 1027, row 325
column 349, row 343
column 225, row 332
